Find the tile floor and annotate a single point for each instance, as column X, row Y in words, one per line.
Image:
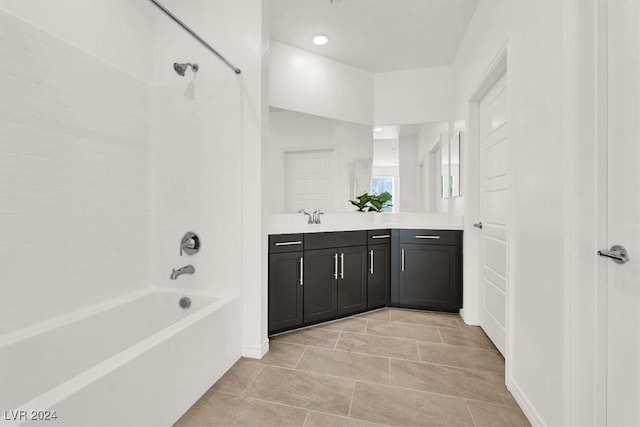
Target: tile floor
column 387, row 367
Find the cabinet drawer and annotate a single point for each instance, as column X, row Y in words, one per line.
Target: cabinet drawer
column 335, row 239
column 430, row 237
column 378, row 237
column 279, row 243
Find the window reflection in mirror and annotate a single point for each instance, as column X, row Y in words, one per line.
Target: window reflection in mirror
column 385, row 170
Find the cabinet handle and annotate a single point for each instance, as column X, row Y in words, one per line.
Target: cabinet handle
column 381, row 236
column 402, row 260
column 298, row 242
column 335, row 266
column 301, row 271
column 427, row 237
column 342, row 266
column 371, row 261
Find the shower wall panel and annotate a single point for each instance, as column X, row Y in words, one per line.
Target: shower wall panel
column 75, row 177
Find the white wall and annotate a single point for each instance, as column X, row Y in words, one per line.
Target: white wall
column 309, row 83
column 413, row 96
column 75, row 169
column 534, row 31
column 293, row 130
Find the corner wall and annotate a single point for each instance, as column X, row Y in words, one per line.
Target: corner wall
column 534, row 32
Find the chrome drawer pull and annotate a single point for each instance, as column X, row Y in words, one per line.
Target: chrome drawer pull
column 335, row 266
column 371, row 261
column 301, row 271
column 342, row 266
column 381, row 236
column 427, row 237
column 402, row 259
column 299, row 242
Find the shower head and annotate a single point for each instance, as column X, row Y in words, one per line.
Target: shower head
column 181, row 68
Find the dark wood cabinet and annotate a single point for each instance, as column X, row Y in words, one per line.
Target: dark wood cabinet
column 379, row 268
column 285, row 290
column 430, row 270
column 320, row 285
column 337, row 268
column 322, row 276
column 352, row 279
column 379, row 275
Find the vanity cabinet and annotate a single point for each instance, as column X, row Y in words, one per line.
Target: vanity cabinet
column 429, row 264
column 335, row 279
column 379, row 268
column 315, row 277
column 286, row 269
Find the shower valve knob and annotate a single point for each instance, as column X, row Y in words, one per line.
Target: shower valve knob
column 190, row 243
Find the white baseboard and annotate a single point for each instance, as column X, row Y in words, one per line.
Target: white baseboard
column 255, row 352
column 525, row 404
column 465, row 319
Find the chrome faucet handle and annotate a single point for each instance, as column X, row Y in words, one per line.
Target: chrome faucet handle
column 316, row 216
column 302, row 211
column 190, row 243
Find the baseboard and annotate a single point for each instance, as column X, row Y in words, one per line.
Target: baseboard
column 255, row 352
column 465, row 319
column 525, row 404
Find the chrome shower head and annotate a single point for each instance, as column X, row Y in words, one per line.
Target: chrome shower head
column 181, row 68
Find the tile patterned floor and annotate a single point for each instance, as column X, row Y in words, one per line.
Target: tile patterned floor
column 387, row 367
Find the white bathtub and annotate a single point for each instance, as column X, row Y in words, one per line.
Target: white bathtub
column 140, row 360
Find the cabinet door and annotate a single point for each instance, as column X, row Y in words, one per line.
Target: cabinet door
column 320, row 292
column 285, row 290
column 352, row 279
column 427, row 276
column 378, row 275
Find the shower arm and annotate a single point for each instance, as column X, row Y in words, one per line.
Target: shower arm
column 195, row 36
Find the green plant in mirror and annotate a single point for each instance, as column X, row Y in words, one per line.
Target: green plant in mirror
column 372, row 203
column 361, row 202
column 380, row 202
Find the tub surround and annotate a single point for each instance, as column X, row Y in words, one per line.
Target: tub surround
column 351, row 221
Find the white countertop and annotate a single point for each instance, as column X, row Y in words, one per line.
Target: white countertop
column 297, row 223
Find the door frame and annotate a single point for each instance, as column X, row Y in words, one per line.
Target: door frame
column 585, row 97
column 472, row 240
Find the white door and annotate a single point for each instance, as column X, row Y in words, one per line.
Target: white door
column 309, row 178
column 623, row 214
column 493, row 212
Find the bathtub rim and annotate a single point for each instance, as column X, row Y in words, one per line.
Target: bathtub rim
column 31, row 331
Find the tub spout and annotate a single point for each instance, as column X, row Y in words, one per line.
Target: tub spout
column 187, row 269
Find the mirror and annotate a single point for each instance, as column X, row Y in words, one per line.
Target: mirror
column 321, row 163
column 454, row 166
column 316, row 162
column 412, row 156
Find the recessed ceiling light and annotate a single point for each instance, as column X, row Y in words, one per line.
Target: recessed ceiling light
column 320, row 40
column 377, row 129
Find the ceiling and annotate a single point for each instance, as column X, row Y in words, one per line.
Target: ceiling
column 375, row 35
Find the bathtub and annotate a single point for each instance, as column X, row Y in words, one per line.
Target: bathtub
column 139, row 360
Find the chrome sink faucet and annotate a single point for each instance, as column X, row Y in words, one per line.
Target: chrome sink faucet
column 187, row 269
column 311, row 219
